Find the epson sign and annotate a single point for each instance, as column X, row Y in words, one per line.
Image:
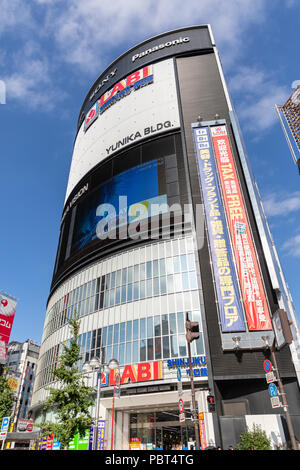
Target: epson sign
column 159, row 47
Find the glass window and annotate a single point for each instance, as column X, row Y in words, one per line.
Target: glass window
column 124, row 276
column 130, row 274
column 104, row 336
column 122, row 332
column 135, row 329
column 149, row 269
column 123, row 299
column 180, row 322
column 150, row 349
column 142, row 271
column 185, row 281
column 149, row 287
column 155, row 268
column 116, row 333
column 177, row 282
column 150, row 327
column 142, row 289
column 176, row 264
column 136, row 273
column 193, row 280
column 142, row 328
column 109, row 353
column 135, row 351
column 118, row 296
column 106, row 299
column 112, row 297
column 182, row 345
column 157, row 327
column 170, row 283
column 143, row 350
column 163, row 285
column 129, row 331
column 136, row 290
column 174, row 346
column 183, row 260
column 88, row 343
column 156, row 286
column 110, row 333
column 115, row 351
column 121, row 353
column 129, row 293
column 118, row 278
column 128, row 353
column 166, row 349
column 107, row 281
column 113, row 280
column 162, row 267
column 157, row 348
column 165, row 325
column 172, row 320
column 191, row 262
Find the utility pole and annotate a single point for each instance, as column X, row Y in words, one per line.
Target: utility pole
column 192, row 333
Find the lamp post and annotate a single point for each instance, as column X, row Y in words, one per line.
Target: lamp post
column 113, row 365
column 97, row 364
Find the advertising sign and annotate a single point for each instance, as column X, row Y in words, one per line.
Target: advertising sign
column 281, row 328
column 228, row 296
column 253, row 293
column 142, row 372
column 101, row 434
column 203, row 441
column 124, row 117
column 135, row 443
column 8, row 307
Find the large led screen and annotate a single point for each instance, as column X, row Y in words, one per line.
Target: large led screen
column 125, row 200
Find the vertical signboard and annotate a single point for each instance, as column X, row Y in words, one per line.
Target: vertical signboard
column 202, row 431
column 253, row 293
column 228, row 296
column 8, row 307
column 101, row 435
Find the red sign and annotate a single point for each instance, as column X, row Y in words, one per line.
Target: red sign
column 202, row 431
column 50, row 440
column 138, row 373
column 7, row 314
column 253, row 293
column 180, row 405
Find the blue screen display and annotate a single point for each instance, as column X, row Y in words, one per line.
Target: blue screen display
column 132, row 194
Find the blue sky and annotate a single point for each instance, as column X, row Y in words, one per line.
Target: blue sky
column 50, row 54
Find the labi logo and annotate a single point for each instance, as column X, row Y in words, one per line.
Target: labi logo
column 2, row 92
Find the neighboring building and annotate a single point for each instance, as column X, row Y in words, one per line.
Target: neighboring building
column 22, row 360
column 158, row 128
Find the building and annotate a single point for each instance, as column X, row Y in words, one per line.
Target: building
column 150, row 230
column 21, row 361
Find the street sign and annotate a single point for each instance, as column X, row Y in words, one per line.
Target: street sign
column 267, row 365
column 275, row 402
column 270, row 377
column 181, row 417
column 179, row 375
column 180, row 405
column 179, row 388
column 273, row 390
column 5, row 424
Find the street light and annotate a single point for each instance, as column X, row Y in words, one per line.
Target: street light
column 97, row 364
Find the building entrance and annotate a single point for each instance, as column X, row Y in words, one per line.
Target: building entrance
column 160, row 430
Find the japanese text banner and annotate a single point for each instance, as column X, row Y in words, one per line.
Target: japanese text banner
column 253, row 293
column 228, row 296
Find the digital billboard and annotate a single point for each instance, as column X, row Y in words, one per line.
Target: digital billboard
column 142, row 105
column 129, row 197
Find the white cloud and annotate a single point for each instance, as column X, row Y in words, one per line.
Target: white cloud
column 292, row 246
column 257, row 92
column 276, row 204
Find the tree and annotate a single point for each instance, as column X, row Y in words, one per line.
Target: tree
column 72, row 399
column 7, row 397
column 255, row 439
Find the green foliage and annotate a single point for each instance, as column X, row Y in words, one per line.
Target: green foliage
column 7, row 397
column 255, row 439
column 72, row 399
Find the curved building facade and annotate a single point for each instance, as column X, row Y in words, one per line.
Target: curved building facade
column 162, row 217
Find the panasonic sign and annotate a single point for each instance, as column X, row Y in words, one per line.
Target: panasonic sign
column 159, row 47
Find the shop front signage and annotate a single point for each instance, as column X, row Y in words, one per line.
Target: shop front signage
column 135, row 373
column 183, row 363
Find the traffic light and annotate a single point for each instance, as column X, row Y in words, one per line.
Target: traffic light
column 192, row 330
column 211, row 403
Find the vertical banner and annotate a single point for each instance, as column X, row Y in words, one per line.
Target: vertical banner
column 8, row 307
column 228, row 296
column 253, row 294
column 203, row 441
